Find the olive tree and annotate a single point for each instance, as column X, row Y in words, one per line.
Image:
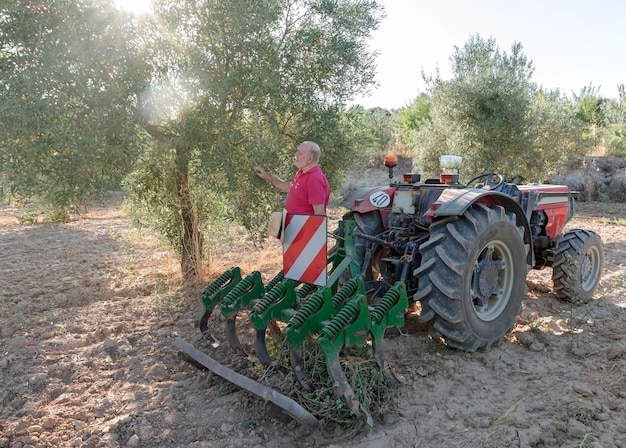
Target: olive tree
column 493, row 115
column 413, row 117
column 614, row 131
column 181, row 103
column 481, row 113
column 68, row 73
column 374, row 133
column 241, row 83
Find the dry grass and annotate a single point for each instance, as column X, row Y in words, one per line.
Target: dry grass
column 266, row 259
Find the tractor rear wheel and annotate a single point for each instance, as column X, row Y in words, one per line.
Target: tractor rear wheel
column 577, row 265
column 473, row 276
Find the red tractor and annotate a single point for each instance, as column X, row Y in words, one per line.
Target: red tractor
column 463, row 250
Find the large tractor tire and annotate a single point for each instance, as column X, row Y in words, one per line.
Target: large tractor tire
column 577, row 265
column 473, row 276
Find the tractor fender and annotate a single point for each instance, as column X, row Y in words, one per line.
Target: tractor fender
column 455, row 202
column 368, row 199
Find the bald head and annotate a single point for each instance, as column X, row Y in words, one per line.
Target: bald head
column 313, row 150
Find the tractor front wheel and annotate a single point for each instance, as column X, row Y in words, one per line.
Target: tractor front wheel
column 473, row 276
column 577, row 265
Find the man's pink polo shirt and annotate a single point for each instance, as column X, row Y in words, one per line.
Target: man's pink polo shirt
column 307, row 189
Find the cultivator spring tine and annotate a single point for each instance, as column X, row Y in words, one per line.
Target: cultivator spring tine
column 277, row 304
column 388, row 312
column 348, row 327
column 275, row 281
column 297, row 367
column 305, row 290
column 352, row 287
column 271, row 368
column 207, row 332
column 311, row 318
column 308, row 320
column 242, row 295
column 274, row 328
column 249, row 289
column 215, row 293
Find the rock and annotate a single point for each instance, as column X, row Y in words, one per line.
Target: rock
column 6, row 331
column 35, row 429
column 36, row 292
column 538, row 405
column 22, row 425
column 38, row 380
column 620, row 425
column 576, row 429
column 539, row 287
column 157, row 372
column 555, row 328
column 536, row 347
column 448, row 364
column 525, row 338
column 5, row 361
column 48, row 422
column 133, row 441
column 582, row 389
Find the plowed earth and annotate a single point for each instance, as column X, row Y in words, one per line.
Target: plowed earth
column 89, row 310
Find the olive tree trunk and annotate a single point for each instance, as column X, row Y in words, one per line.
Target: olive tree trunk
column 190, row 237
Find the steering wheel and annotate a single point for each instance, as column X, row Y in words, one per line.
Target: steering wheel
column 490, row 181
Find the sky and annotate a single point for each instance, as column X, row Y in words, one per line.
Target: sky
column 571, row 44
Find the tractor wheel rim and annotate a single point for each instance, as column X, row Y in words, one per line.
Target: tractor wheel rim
column 489, row 306
column 590, row 269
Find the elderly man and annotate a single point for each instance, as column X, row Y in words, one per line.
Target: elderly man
column 309, row 191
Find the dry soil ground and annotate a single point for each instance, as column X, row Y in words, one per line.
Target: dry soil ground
column 89, row 310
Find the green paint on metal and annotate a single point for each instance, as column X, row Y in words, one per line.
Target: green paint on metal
column 247, row 290
column 220, row 287
column 274, row 305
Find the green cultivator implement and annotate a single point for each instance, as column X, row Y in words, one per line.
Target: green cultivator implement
column 335, row 316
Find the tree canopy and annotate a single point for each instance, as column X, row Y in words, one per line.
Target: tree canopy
column 252, row 80
column 68, row 72
column 182, row 103
column 413, row 117
column 491, row 114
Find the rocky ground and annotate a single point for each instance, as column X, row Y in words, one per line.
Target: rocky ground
column 89, row 310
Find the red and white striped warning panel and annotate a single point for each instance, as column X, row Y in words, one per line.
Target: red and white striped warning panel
column 304, row 248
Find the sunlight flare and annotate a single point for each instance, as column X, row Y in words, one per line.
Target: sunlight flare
column 135, row 6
